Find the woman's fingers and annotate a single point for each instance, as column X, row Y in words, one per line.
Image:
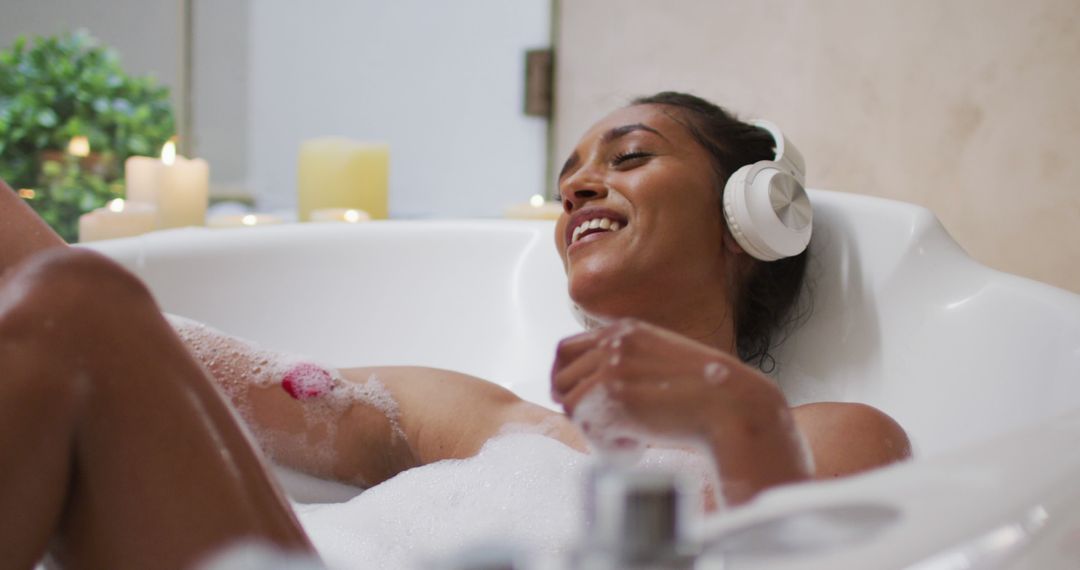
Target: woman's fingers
column 573, row 398
column 571, row 348
column 569, row 375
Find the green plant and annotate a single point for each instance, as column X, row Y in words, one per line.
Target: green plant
column 66, row 86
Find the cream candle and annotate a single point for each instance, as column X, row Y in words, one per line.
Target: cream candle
column 183, row 190
column 116, row 220
column 140, row 179
column 177, row 186
column 535, row 209
column 336, row 172
column 243, row 221
column 348, row 215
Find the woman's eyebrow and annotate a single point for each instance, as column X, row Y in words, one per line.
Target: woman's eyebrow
column 624, row 130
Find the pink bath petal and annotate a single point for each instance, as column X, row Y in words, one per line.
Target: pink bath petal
column 306, row 380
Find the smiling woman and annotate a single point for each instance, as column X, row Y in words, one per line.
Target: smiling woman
column 657, row 173
column 649, row 255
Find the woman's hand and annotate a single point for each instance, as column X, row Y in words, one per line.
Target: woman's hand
column 676, row 388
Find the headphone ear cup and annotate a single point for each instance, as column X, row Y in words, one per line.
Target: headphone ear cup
column 755, row 197
column 734, row 194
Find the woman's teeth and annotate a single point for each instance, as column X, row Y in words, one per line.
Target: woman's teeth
column 603, row 224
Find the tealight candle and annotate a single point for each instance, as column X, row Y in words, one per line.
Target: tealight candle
column 116, row 220
column 243, row 221
column 535, row 209
column 348, row 215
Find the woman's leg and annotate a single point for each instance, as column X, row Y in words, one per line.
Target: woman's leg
column 22, row 231
column 117, row 451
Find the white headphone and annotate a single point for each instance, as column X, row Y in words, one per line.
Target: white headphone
column 766, row 206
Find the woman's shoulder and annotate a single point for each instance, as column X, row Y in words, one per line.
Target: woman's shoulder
column 848, row 438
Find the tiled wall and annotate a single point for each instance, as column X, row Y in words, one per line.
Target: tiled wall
column 968, row 107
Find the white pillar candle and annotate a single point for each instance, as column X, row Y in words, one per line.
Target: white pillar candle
column 177, row 186
column 140, row 179
column 183, row 193
column 116, row 220
column 349, row 215
column 243, row 221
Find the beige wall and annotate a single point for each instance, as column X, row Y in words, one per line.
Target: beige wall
column 968, row 107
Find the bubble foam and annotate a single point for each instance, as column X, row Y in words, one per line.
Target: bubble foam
column 608, row 428
column 238, row 365
column 523, row 489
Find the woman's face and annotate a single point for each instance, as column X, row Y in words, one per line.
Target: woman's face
column 650, row 187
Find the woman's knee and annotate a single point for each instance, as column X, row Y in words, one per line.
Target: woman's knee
column 63, row 281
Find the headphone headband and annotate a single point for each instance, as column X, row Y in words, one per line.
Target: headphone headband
column 786, row 154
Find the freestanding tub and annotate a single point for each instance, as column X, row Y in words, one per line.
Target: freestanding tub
column 982, row 368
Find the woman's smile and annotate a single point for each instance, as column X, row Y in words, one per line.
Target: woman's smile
column 592, row 223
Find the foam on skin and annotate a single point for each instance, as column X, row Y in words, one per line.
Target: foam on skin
column 608, row 428
column 715, row 373
column 238, row 365
column 617, row 439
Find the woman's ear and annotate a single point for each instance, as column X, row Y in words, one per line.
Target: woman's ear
column 731, row 245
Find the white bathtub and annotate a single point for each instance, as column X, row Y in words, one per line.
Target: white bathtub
column 982, row 368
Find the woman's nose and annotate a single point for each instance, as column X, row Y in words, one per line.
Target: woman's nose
column 576, row 191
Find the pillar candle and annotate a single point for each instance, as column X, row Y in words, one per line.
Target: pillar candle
column 183, row 193
column 177, row 186
column 116, row 220
column 336, row 172
column 140, row 179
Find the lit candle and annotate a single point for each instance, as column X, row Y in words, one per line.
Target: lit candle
column 243, row 221
column 116, row 220
column 348, row 215
column 79, row 146
column 177, row 186
column 535, row 209
column 336, row 172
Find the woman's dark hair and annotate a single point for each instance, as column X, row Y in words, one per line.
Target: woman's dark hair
column 765, row 299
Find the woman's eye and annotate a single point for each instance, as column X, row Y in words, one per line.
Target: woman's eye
column 624, row 157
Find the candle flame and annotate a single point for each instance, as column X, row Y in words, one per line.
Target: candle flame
column 116, row 205
column 352, row 216
column 249, row 220
column 168, row 153
column 536, row 201
column 79, row 146
column 27, row 194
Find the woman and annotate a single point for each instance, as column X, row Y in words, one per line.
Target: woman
column 82, row 343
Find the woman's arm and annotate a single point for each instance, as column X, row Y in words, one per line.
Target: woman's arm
column 849, row 438
column 673, row 387
column 360, row 425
